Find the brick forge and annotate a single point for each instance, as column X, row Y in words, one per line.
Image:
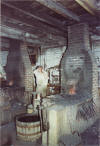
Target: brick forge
column 73, row 114
column 78, row 66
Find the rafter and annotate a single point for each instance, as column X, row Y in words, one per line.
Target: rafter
column 58, row 8
column 21, row 25
column 88, row 5
column 30, row 23
column 20, row 35
column 15, row 34
column 48, row 20
column 21, row 32
column 26, row 28
column 90, row 19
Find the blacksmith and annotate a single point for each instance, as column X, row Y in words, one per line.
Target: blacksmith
column 41, row 81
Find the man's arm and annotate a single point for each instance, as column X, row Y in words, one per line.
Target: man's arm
column 34, row 80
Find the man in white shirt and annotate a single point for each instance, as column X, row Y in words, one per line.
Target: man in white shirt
column 41, row 81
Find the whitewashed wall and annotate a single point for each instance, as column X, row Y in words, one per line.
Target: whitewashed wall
column 50, row 57
column 53, row 56
column 3, row 58
column 4, row 44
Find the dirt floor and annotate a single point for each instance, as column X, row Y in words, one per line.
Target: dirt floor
column 91, row 137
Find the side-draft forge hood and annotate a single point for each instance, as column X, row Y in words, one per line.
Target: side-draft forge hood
column 78, row 67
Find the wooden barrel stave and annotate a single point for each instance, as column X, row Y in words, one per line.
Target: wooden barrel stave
column 28, row 131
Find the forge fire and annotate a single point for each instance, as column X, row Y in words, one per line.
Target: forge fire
column 72, row 90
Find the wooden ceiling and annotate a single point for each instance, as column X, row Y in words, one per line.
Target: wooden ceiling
column 44, row 22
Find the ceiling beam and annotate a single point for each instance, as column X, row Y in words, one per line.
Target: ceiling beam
column 30, row 23
column 21, row 25
column 54, row 21
column 48, row 20
column 30, row 29
column 58, row 8
column 88, row 5
column 20, row 35
column 53, row 46
column 15, row 34
column 90, row 19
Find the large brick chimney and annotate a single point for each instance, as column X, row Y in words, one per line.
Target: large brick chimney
column 28, row 75
column 78, row 66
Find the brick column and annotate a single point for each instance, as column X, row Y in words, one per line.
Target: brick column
column 94, row 71
column 79, row 44
column 95, row 92
column 28, row 75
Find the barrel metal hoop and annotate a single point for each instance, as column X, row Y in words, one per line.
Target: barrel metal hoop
column 27, row 126
column 28, row 134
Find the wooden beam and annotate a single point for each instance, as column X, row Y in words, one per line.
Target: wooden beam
column 21, row 25
column 58, row 8
column 21, row 35
column 53, row 46
column 31, row 27
column 16, row 34
column 47, row 36
column 55, row 22
column 88, row 5
column 90, row 19
column 6, row 11
column 50, row 21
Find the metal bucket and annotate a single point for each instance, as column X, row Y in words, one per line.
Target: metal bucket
column 30, row 109
column 28, row 127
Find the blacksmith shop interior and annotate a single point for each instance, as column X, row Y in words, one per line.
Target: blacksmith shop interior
column 50, row 73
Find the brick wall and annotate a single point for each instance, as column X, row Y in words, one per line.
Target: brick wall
column 96, row 51
column 28, row 74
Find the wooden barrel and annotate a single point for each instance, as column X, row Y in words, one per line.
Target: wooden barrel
column 28, row 127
